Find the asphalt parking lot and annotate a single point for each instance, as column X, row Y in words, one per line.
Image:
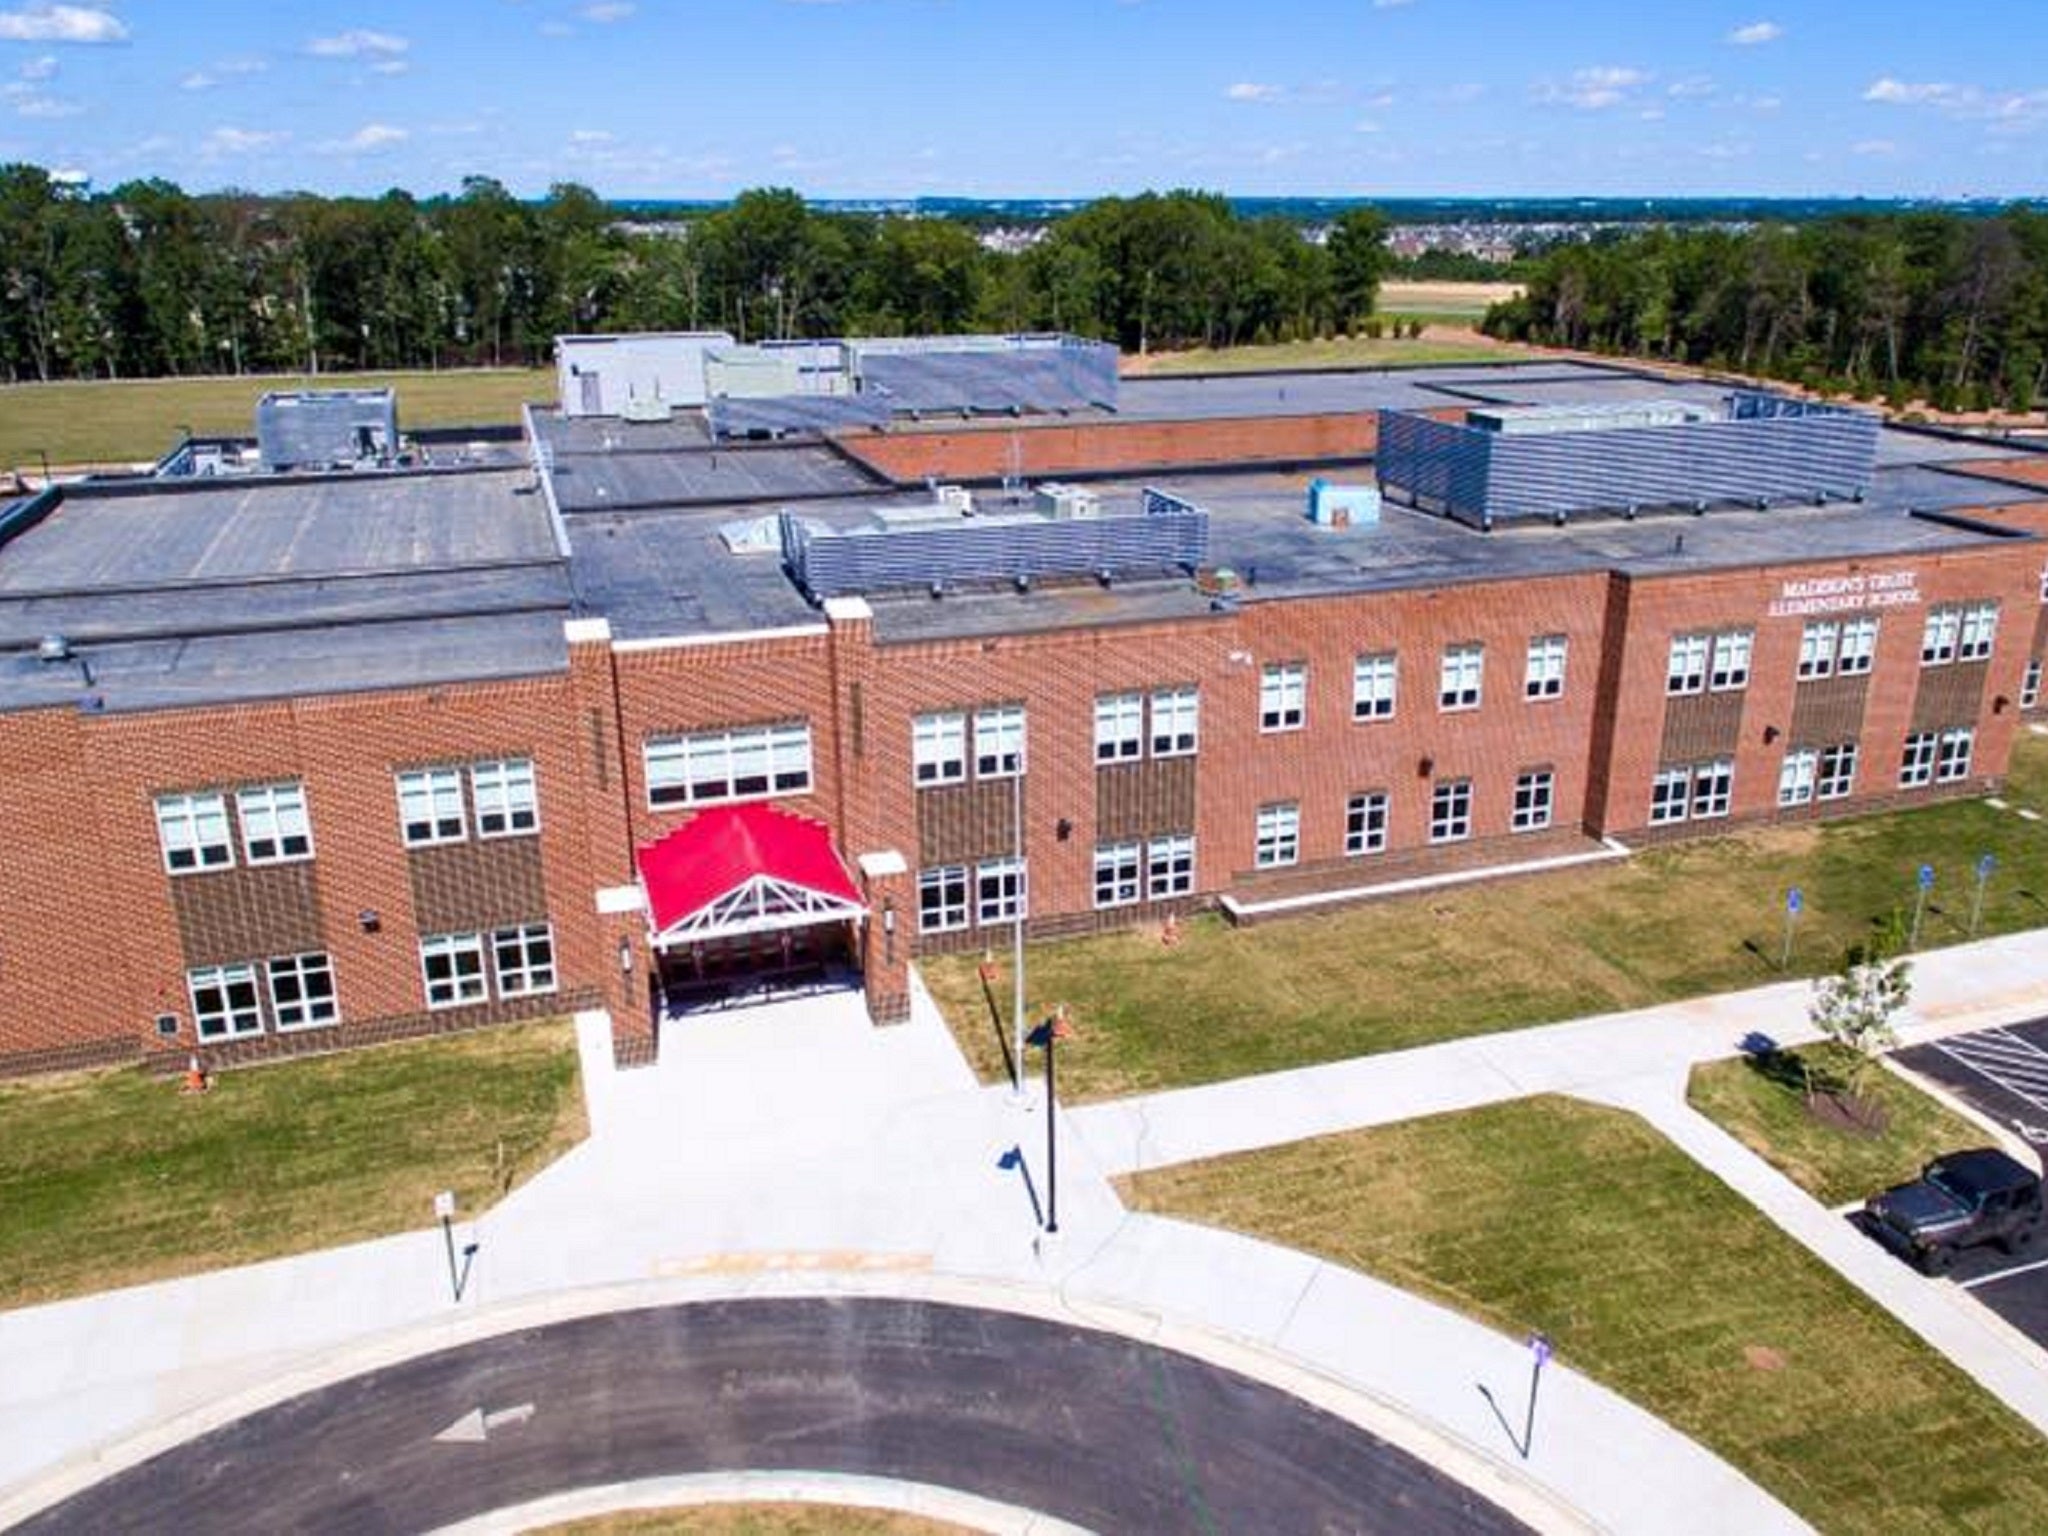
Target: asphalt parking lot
column 2003, row 1075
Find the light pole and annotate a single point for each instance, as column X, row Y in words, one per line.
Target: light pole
column 1017, row 928
column 444, row 1207
column 1539, row 1352
column 1049, row 1034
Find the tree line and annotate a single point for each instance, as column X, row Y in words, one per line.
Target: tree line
column 149, row 280
column 1943, row 307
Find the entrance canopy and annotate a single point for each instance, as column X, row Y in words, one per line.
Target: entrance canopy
column 740, row 869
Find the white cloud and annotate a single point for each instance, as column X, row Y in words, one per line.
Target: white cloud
column 2005, row 111
column 1390, row 5
column 359, row 43
column 368, row 140
column 1251, row 90
column 25, row 99
column 44, row 68
column 240, row 141
column 219, row 74
column 1873, row 147
column 1593, row 89
column 62, row 24
column 589, row 136
column 1756, row 32
column 604, row 11
column 391, row 66
column 1690, row 88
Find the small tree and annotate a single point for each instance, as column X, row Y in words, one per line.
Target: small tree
column 1858, row 1007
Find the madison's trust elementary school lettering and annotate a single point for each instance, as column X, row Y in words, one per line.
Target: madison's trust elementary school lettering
column 745, row 669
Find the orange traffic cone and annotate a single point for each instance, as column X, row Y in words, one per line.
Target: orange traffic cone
column 195, row 1077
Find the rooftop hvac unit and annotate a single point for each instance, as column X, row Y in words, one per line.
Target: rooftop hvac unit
column 1067, row 503
column 652, row 409
column 955, row 498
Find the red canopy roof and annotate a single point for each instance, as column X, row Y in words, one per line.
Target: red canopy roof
column 720, row 850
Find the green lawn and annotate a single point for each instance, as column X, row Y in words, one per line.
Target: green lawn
column 1338, row 352
column 1761, row 1102
column 1655, row 1278
column 129, row 421
column 112, row 1178
column 1670, row 922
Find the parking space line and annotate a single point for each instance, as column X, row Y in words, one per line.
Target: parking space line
column 2004, row 1274
column 2015, row 1064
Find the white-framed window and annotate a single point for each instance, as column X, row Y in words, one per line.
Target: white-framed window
column 1916, row 763
column 1283, row 695
column 1278, row 835
column 452, row 965
column 1170, row 866
column 1534, row 796
column 302, row 991
column 430, row 806
column 275, row 827
column 1938, row 639
column 1176, row 721
column 1952, row 754
column 1796, row 775
column 938, row 748
column 1119, row 727
column 524, row 959
column 1374, row 681
column 1365, row 822
column 1817, row 646
column 1859, row 646
column 193, row 830
column 1713, row 789
column 999, row 742
column 1980, row 632
column 2030, row 685
column 1117, row 873
column 942, row 898
column 2044, row 583
column 1450, row 811
column 1464, row 668
column 502, row 791
column 225, row 1004
column 1732, row 649
column 1837, row 779
column 748, row 762
column 999, row 891
column 1670, row 793
column 1545, row 676
column 1686, row 671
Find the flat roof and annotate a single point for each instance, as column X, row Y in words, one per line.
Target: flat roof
column 605, row 465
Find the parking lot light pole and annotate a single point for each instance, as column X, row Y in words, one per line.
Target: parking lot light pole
column 1539, row 1356
column 444, row 1208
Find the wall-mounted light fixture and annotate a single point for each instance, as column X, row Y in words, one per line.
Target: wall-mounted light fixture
column 625, row 957
column 1063, row 829
column 2000, row 704
column 1771, row 734
column 1425, row 768
column 368, row 920
column 889, row 932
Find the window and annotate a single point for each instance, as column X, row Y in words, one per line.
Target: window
column 999, row 891
column 1952, row 755
column 274, row 824
column 525, row 959
column 1817, row 645
column 2030, row 685
column 1169, row 866
column 1372, row 686
column 302, row 991
column 1462, row 669
column 1731, row 660
column 1980, row 631
column 1938, row 639
column 1545, row 677
column 1278, row 835
column 1533, row 792
column 430, row 806
column 1119, row 727
column 1365, row 823
column 938, row 748
column 1686, row 672
column 453, row 965
column 1116, row 874
column 1668, row 794
column 744, row 763
column 942, row 899
column 194, row 832
column 1176, row 719
column 999, row 742
column 1450, row 811
column 1916, row 764
column 1713, row 787
column 503, row 793
column 1837, row 771
column 1283, row 696
column 224, row 1002
column 1796, row 775
column 1698, row 791
column 1859, row 647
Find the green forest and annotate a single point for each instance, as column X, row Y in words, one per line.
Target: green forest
column 1947, row 308
column 146, row 280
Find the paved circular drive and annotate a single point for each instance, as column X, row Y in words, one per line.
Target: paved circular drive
column 1094, row 1428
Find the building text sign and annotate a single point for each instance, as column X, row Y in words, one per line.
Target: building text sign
column 1846, row 594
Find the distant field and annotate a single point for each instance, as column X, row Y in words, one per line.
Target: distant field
column 135, row 420
column 1465, row 300
column 1339, row 352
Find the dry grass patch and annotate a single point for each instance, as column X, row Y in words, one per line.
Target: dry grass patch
column 1336, row 352
column 1654, row 1277
column 757, row 1520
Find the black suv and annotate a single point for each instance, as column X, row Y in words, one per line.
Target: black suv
column 1960, row 1201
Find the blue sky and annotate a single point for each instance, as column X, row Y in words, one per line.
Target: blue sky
column 691, row 98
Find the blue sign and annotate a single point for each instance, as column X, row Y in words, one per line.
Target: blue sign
column 1794, row 900
column 1541, row 1346
column 1926, row 877
column 1985, row 865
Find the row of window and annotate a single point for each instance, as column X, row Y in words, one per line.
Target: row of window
column 435, row 805
column 1719, row 661
column 1699, row 791
column 1120, row 724
column 1461, row 677
column 1276, row 839
column 294, row 992
column 938, row 744
column 994, row 891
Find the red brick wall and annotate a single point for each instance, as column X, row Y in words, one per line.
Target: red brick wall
column 988, row 453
